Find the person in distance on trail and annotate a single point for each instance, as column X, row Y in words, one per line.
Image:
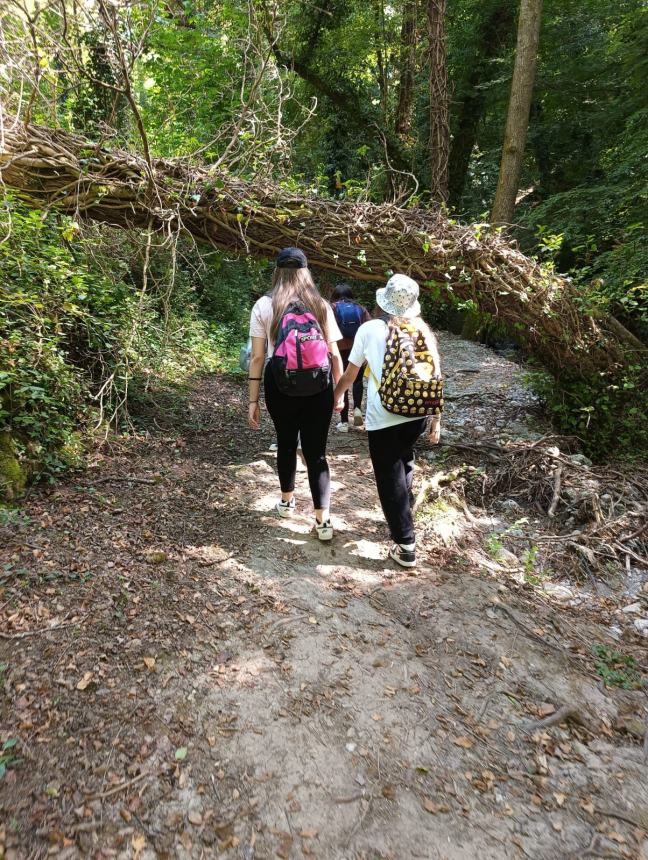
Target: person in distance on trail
column 350, row 315
column 404, row 389
column 303, row 364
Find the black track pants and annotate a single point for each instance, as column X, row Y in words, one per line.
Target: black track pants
column 309, row 418
column 392, row 457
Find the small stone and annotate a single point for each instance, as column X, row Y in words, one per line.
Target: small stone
column 508, row 558
column 632, row 607
column 580, row 460
column 641, row 626
column 561, row 593
column 195, row 817
column 631, row 726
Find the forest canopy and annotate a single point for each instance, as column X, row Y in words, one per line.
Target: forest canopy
column 345, row 102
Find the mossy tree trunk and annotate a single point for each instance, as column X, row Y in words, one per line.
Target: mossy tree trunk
column 12, row 476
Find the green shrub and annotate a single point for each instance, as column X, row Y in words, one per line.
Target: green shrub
column 83, row 329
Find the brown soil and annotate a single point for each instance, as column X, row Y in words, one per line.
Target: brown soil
column 188, row 676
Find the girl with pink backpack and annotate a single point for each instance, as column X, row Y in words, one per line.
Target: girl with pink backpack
column 294, row 334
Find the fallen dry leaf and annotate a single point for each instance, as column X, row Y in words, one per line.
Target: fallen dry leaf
column 546, row 709
column 433, row 807
column 560, row 798
column 587, row 805
column 463, row 741
column 616, row 837
column 85, row 681
column 138, row 844
column 149, row 662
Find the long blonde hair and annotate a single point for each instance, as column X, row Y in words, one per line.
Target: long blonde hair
column 295, row 285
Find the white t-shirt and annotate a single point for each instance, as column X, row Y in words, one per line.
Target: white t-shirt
column 369, row 345
column 261, row 322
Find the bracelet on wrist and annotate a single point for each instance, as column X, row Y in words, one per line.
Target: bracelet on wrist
column 252, row 401
column 254, row 379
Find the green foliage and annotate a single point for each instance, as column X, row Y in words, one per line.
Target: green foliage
column 494, row 545
column 84, row 330
column 7, row 756
column 44, row 298
column 617, row 669
column 609, row 417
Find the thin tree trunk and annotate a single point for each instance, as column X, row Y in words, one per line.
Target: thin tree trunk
column 407, row 64
column 526, row 57
column 381, row 55
column 494, row 31
column 439, row 142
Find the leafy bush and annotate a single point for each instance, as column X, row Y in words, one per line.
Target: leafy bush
column 84, row 329
column 608, row 417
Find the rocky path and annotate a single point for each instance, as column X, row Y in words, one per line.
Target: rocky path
column 185, row 675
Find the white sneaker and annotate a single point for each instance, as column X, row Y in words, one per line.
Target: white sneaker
column 324, row 530
column 343, row 427
column 357, row 417
column 286, row 509
column 273, row 447
column 402, row 556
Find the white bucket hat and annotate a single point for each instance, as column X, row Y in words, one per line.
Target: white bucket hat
column 399, row 297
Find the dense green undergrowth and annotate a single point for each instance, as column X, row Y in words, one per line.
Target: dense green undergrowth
column 94, row 326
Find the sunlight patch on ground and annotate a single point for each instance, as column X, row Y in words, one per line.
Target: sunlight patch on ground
column 209, row 553
column 293, row 541
column 246, row 670
column 266, row 503
column 357, row 574
column 365, row 549
column 296, row 526
column 375, row 515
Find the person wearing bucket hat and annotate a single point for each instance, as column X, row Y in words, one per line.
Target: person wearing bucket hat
column 392, row 436
column 293, row 325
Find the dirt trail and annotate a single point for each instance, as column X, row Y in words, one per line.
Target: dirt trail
column 188, row 676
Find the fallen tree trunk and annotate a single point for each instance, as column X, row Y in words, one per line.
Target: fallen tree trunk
column 51, row 168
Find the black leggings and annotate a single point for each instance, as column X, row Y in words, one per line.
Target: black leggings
column 392, row 457
column 357, row 388
column 310, row 418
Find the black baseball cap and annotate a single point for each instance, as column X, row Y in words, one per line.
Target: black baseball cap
column 291, row 258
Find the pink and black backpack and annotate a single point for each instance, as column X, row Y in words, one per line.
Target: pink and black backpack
column 301, row 364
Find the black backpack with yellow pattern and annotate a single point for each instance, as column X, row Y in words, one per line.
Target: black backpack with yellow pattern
column 409, row 384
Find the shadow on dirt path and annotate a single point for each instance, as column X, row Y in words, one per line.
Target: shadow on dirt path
column 186, row 675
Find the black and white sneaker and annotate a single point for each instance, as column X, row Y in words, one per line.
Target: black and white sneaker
column 286, row 509
column 404, row 557
column 324, row 530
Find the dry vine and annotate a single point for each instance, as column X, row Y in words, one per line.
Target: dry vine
column 52, row 168
column 600, row 514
